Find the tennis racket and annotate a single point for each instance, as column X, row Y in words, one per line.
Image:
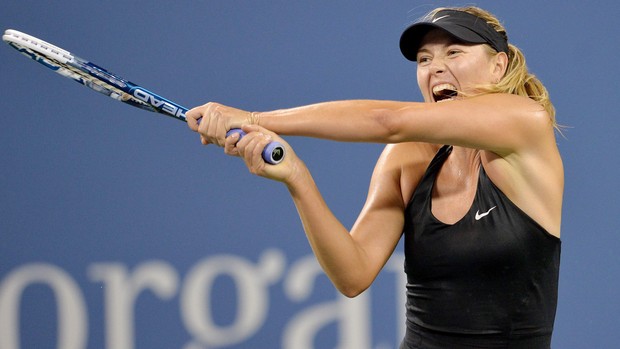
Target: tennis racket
column 93, row 76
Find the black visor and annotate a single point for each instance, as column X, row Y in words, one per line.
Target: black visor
column 462, row 25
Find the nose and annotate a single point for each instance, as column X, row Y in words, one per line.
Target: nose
column 437, row 66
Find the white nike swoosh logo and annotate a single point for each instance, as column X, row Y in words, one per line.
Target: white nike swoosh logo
column 438, row 18
column 484, row 214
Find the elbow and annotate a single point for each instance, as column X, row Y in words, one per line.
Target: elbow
column 352, row 293
column 388, row 125
column 352, row 290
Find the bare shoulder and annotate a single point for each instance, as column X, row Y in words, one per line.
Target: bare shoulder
column 533, row 176
column 508, row 100
column 517, row 108
column 502, row 123
column 529, row 169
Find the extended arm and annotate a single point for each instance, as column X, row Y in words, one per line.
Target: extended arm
column 501, row 123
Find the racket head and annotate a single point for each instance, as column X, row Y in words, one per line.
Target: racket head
column 98, row 79
column 90, row 75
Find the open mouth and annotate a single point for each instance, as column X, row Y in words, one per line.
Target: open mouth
column 444, row 92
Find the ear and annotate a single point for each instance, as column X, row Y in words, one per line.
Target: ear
column 500, row 65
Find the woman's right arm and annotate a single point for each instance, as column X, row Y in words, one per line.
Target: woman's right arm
column 502, row 123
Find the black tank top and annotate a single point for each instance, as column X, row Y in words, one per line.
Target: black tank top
column 492, row 276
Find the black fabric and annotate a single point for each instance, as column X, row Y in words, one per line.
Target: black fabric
column 460, row 24
column 491, row 277
column 418, row 338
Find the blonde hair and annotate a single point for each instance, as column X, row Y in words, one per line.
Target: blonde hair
column 517, row 79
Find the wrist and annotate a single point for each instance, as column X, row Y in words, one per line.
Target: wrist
column 299, row 180
column 254, row 118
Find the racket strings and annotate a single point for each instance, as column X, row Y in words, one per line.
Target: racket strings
column 80, row 75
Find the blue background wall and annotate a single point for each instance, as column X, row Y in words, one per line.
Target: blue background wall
column 118, row 230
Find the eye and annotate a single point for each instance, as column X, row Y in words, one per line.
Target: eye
column 424, row 59
column 452, row 52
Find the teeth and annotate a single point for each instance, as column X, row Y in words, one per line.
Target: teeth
column 444, row 92
column 442, row 87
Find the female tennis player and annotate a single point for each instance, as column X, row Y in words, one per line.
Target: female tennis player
column 472, row 178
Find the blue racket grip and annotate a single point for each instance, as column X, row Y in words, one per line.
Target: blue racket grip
column 273, row 152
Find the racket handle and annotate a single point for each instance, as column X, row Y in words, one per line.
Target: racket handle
column 273, row 152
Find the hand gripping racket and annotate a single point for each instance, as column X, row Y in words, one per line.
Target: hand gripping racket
column 102, row 81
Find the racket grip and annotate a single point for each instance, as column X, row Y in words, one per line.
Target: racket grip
column 273, row 153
